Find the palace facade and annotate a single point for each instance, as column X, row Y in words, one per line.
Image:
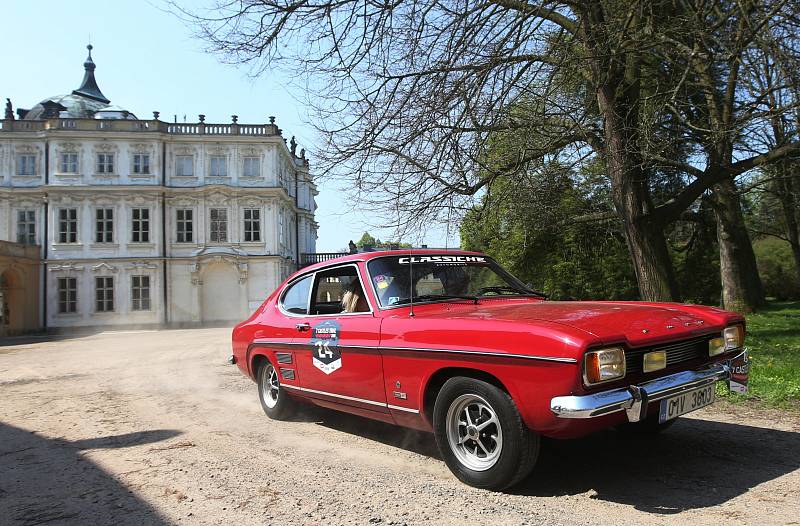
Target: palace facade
column 145, row 222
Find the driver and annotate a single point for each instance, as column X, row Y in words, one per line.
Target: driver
column 353, row 299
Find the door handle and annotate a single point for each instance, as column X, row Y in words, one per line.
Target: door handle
column 302, row 327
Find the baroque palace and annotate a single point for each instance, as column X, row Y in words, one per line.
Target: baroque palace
column 140, row 221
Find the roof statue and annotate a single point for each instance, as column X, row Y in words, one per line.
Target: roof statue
column 9, row 110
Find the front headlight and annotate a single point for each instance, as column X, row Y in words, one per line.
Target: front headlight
column 734, row 337
column 603, row 365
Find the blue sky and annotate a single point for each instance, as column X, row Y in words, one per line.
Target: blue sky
column 148, row 60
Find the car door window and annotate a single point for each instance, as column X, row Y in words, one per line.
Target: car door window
column 295, row 299
column 338, row 291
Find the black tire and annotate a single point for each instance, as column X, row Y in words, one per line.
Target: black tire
column 647, row 427
column 518, row 446
column 282, row 406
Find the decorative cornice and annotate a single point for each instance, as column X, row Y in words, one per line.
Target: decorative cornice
column 141, row 265
column 68, row 147
column 106, row 147
column 104, row 266
column 26, row 148
column 64, row 267
column 185, row 150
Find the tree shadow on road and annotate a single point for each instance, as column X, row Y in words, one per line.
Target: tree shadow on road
column 694, row 464
column 49, row 481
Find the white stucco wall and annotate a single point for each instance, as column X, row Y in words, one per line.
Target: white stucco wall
column 260, row 266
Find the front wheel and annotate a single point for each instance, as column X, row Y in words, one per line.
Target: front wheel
column 274, row 401
column 481, row 435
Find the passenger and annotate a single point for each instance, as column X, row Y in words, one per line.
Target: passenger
column 353, row 299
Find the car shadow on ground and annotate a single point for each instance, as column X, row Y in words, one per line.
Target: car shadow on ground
column 51, row 481
column 694, row 464
column 391, row 435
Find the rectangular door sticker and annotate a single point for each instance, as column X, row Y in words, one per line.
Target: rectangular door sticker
column 327, row 357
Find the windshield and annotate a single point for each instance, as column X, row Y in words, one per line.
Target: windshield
column 440, row 277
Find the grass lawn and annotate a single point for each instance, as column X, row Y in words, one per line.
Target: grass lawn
column 773, row 338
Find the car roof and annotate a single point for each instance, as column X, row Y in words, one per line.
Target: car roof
column 367, row 256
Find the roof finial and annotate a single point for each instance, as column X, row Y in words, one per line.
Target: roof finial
column 89, row 85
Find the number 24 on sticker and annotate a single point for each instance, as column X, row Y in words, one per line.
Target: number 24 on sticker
column 323, row 351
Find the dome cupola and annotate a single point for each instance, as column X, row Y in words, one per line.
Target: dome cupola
column 89, row 86
column 86, row 102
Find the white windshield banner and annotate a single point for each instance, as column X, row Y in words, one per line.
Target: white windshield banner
column 440, row 259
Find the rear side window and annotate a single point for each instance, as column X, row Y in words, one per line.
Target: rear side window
column 295, row 299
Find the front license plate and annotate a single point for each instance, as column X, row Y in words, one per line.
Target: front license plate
column 686, row 402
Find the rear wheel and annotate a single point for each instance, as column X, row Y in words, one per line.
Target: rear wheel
column 274, row 401
column 481, row 435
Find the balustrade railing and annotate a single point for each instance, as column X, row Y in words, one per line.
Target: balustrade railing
column 307, row 259
column 252, row 130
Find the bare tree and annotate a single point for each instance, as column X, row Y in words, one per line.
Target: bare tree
column 410, row 95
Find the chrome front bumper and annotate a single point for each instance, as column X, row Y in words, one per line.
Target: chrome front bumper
column 635, row 398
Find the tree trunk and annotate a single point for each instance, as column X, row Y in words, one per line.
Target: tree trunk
column 616, row 72
column 644, row 234
column 651, row 260
column 741, row 284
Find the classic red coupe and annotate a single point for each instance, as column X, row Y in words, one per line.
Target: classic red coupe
column 449, row 342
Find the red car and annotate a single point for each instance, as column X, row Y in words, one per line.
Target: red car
column 450, row 342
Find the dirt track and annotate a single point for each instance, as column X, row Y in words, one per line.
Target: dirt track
column 154, row 428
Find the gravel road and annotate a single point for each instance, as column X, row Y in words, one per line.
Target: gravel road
column 154, row 428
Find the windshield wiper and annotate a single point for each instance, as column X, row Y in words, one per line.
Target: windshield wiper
column 428, row 297
column 483, row 290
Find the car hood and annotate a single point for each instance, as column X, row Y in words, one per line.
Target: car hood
column 611, row 322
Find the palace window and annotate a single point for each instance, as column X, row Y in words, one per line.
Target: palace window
column 141, row 163
column 184, row 225
column 252, row 224
column 104, row 231
column 184, row 165
column 105, row 163
column 26, row 164
column 67, row 295
column 140, row 227
column 26, row 227
column 140, row 292
column 219, row 225
column 252, row 167
column 218, row 166
column 68, row 163
column 104, row 294
column 68, row 225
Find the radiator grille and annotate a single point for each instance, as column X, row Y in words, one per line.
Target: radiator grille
column 677, row 352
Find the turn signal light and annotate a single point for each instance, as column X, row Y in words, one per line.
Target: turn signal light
column 716, row 346
column 604, row 365
column 654, row 361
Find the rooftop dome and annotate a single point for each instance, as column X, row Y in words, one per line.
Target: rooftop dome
column 86, row 102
